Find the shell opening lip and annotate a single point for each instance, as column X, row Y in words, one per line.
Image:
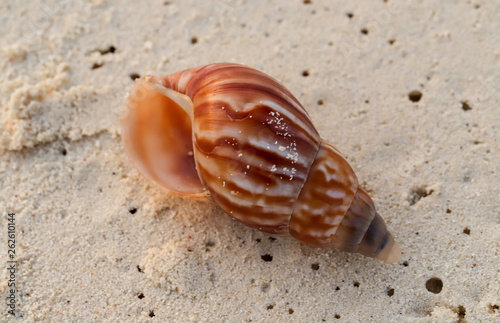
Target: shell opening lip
column 156, row 132
column 158, row 85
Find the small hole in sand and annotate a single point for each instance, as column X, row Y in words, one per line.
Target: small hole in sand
column 315, row 266
column 391, row 41
column 110, row 49
column 140, row 296
column 467, row 231
column 434, row 285
column 307, row 1
column 356, row 284
column 258, row 240
column 461, row 312
column 210, row 244
column 466, row 178
column 133, row 210
column 493, row 308
column 290, row 311
column 415, row 96
column 418, row 193
column 194, row 40
column 151, row 313
column 64, row 152
column 390, row 292
column 267, row 257
column 465, row 106
column 448, row 211
column 270, row 307
column 272, row 239
column 97, row 65
column 139, row 269
column 337, row 316
column 350, row 15
column 364, row 31
column 337, row 288
column 320, row 102
column 134, row 76
column 405, row 263
column 305, row 73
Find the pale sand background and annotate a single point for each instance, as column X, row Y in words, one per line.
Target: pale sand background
column 432, row 168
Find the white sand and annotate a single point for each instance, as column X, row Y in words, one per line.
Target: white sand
column 432, row 168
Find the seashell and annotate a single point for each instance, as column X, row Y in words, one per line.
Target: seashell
column 235, row 133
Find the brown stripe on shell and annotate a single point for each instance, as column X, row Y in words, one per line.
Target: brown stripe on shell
column 247, row 104
column 255, row 129
column 264, row 201
column 325, row 198
column 217, row 75
column 243, row 96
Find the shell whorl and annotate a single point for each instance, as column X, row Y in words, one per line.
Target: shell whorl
column 257, row 152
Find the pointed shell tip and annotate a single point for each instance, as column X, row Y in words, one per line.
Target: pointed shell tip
column 394, row 254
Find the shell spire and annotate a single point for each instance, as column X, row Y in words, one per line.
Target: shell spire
column 238, row 134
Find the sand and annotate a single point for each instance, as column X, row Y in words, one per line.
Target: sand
column 409, row 92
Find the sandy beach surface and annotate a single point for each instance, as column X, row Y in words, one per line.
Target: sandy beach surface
column 407, row 90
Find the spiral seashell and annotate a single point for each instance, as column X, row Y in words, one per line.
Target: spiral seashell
column 237, row 134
